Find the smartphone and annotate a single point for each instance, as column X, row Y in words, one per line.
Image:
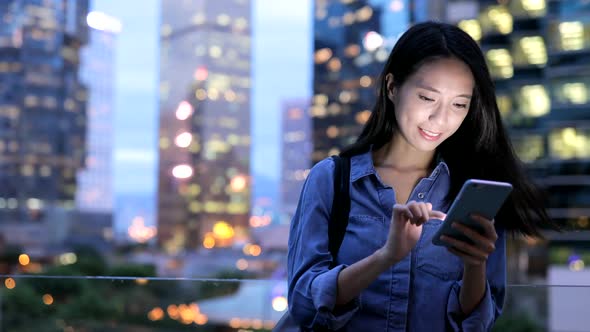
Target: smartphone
column 475, row 197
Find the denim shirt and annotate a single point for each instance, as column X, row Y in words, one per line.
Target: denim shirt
column 419, row 293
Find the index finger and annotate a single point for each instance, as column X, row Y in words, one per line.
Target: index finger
column 434, row 214
column 487, row 224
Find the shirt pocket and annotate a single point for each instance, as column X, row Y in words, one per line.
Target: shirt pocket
column 364, row 235
column 436, row 260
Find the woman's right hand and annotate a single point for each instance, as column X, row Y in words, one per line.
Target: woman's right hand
column 405, row 229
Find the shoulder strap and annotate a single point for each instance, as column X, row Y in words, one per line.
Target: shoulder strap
column 340, row 205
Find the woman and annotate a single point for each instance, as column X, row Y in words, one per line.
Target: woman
column 435, row 124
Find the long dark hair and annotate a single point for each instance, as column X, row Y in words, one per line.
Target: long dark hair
column 480, row 148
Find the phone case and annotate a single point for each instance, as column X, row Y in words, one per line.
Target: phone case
column 476, row 196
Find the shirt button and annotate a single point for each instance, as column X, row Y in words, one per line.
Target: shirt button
column 421, row 195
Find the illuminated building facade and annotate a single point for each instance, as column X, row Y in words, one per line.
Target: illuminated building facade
column 352, row 40
column 42, row 106
column 296, row 152
column 538, row 53
column 205, row 78
column 95, row 192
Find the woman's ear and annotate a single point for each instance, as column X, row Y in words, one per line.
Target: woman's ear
column 390, row 87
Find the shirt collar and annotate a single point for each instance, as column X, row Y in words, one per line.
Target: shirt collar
column 361, row 165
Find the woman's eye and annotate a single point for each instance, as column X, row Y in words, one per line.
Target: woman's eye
column 461, row 105
column 425, row 98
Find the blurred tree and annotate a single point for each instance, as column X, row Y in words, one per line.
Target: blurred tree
column 21, row 305
column 516, row 322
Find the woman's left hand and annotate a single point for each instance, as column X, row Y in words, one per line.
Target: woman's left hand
column 484, row 244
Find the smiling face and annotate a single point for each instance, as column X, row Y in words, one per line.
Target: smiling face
column 432, row 103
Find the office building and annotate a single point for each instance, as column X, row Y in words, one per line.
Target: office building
column 204, row 167
column 95, row 193
column 42, row 107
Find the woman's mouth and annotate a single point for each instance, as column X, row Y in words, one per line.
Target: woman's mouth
column 429, row 135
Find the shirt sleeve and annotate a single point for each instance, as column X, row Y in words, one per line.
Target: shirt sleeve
column 313, row 285
column 483, row 317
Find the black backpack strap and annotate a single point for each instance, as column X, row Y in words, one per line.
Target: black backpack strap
column 340, row 205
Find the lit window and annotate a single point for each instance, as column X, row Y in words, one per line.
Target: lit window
column 45, row 171
column 575, row 93
column 294, row 136
column 215, row 52
column 182, row 171
column 320, row 13
column 372, row 41
column 530, row 50
column 352, row 50
column 332, row 132
column 183, row 140
column 27, row 170
column 201, row 94
column 529, row 147
column 184, row 110
column 213, row 94
column 530, row 8
column 31, row 101
column 228, row 122
column 12, row 203
column 319, row 111
column 365, row 81
column 572, row 35
column 496, row 19
column 472, row 27
column 201, row 73
column 348, row 18
column 500, row 62
column 568, row 143
column 164, row 143
column 345, row 97
column 295, row 113
column 199, row 19
column 322, row 55
column 223, row 20
column 69, row 105
column 320, row 99
column 334, row 65
column 533, row 100
column 333, row 151
column 240, row 23
column 504, row 104
column 396, row 6
column 334, row 109
column 364, row 14
column 230, row 96
column 363, row 117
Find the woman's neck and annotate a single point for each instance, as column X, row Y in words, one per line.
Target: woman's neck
column 402, row 157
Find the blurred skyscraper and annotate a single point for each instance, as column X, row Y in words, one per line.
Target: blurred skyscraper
column 296, row 152
column 95, row 192
column 204, row 168
column 352, row 40
column 42, row 106
column 93, row 221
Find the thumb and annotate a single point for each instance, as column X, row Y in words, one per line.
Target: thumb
column 402, row 211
